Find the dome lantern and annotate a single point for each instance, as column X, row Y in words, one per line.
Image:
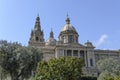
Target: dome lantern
column 67, row 20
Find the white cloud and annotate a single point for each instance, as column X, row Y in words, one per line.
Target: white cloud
column 101, row 40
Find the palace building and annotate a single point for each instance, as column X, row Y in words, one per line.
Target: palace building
column 68, row 45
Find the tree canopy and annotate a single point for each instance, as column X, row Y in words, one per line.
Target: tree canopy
column 109, row 68
column 65, row 68
column 18, row 61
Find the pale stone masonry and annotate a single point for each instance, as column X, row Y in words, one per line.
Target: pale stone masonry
column 68, row 45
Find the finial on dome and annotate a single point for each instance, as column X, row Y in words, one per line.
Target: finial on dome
column 67, row 19
column 67, row 15
column 38, row 15
column 38, row 18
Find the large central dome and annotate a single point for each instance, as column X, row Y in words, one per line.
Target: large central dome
column 68, row 26
column 68, row 33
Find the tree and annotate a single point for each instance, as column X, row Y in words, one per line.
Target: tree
column 2, row 76
column 109, row 68
column 18, row 61
column 65, row 68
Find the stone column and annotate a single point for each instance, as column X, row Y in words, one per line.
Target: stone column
column 56, row 53
column 78, row 53
column 65, row 52
column 85, row 58
column 72, row 52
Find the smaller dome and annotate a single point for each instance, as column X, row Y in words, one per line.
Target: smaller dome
column 50, row 42
column 88, row 44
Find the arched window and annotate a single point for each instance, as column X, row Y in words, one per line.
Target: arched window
column 37, row 38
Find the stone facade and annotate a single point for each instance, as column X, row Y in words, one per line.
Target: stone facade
column 68, row 45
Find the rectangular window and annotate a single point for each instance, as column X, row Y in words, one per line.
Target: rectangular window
column 75, row 53
column 69, row 52
column 82, row 54
column 64, row 39
column 60, row 52
column 70, row 39
column 91, row 62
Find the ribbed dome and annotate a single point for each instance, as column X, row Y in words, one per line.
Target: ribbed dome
column 88, row 44
column 68, row 27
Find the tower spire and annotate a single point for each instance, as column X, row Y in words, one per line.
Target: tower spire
column 51, row 34
column 37, row 23
column 67, row 19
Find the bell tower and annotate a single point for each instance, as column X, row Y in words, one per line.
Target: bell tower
column 37, row 35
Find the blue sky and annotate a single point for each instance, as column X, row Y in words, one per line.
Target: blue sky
column 95, row 20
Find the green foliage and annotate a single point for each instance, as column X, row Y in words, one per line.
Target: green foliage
column 65, row 68
column 18, row 61
column 116, row 77
column 110, row 69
